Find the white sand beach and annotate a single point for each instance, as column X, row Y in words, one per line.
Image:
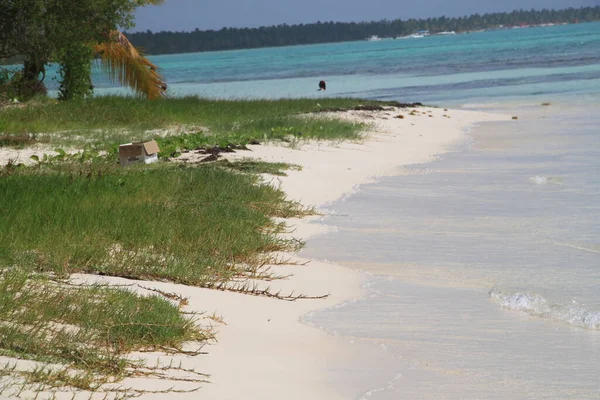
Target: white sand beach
column 263, row 351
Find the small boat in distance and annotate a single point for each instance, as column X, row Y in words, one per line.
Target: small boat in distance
column 373, row 38
column 419, row 35
column 446, row 33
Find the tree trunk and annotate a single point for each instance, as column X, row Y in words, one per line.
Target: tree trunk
column 32, row 69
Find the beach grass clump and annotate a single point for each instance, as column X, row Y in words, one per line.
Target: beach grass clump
column 251, row 166
column 18, row 141
column 81, row 335
column 109, row 120
column 199, row 225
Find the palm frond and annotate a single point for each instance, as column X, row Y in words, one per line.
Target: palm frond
column 125, row 65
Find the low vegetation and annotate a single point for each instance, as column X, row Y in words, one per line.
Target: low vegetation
column 205, row 225
column 80, row 335
column 108, row 121
column 198, row 225
column 260, row 167
column 17, row 141
column 210, row 225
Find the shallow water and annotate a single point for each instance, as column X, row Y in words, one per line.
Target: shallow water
column 486, row 262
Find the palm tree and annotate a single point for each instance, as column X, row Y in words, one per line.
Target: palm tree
column 38, row 34
column 127, row 66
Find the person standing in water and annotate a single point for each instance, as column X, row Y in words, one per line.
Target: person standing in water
column 322, row 85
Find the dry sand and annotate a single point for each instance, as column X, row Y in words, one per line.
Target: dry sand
column 263, row 351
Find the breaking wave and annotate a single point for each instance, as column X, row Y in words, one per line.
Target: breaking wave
column 573, row 313
column 544, row 180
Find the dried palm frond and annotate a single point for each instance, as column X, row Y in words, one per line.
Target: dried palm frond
column 124, row 64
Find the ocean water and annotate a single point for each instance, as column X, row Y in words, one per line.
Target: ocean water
column 445, row 69
column 484, row 264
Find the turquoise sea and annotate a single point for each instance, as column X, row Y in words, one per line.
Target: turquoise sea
column 440, row 69
column 484, row 264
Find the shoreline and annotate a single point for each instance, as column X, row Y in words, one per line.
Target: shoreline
column 271, row 351
column 264, row 348
column 469, row 274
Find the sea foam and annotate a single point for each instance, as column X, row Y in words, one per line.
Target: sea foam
column 536, row 305
column 544, row 180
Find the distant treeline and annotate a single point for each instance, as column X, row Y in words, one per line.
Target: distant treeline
column 323, row 32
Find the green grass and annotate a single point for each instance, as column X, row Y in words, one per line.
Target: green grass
column 202, row 225
column 110, row 120
column 251, row 166
column 86, row 330
column 196, row 225
column 18, row 141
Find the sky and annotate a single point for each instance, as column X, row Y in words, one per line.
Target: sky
column 187, row 15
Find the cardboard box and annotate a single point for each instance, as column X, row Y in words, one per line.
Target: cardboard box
column 138, row 152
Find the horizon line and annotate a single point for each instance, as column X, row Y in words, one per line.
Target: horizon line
column 363, row 21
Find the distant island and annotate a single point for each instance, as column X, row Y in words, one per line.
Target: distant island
column 327, row 32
